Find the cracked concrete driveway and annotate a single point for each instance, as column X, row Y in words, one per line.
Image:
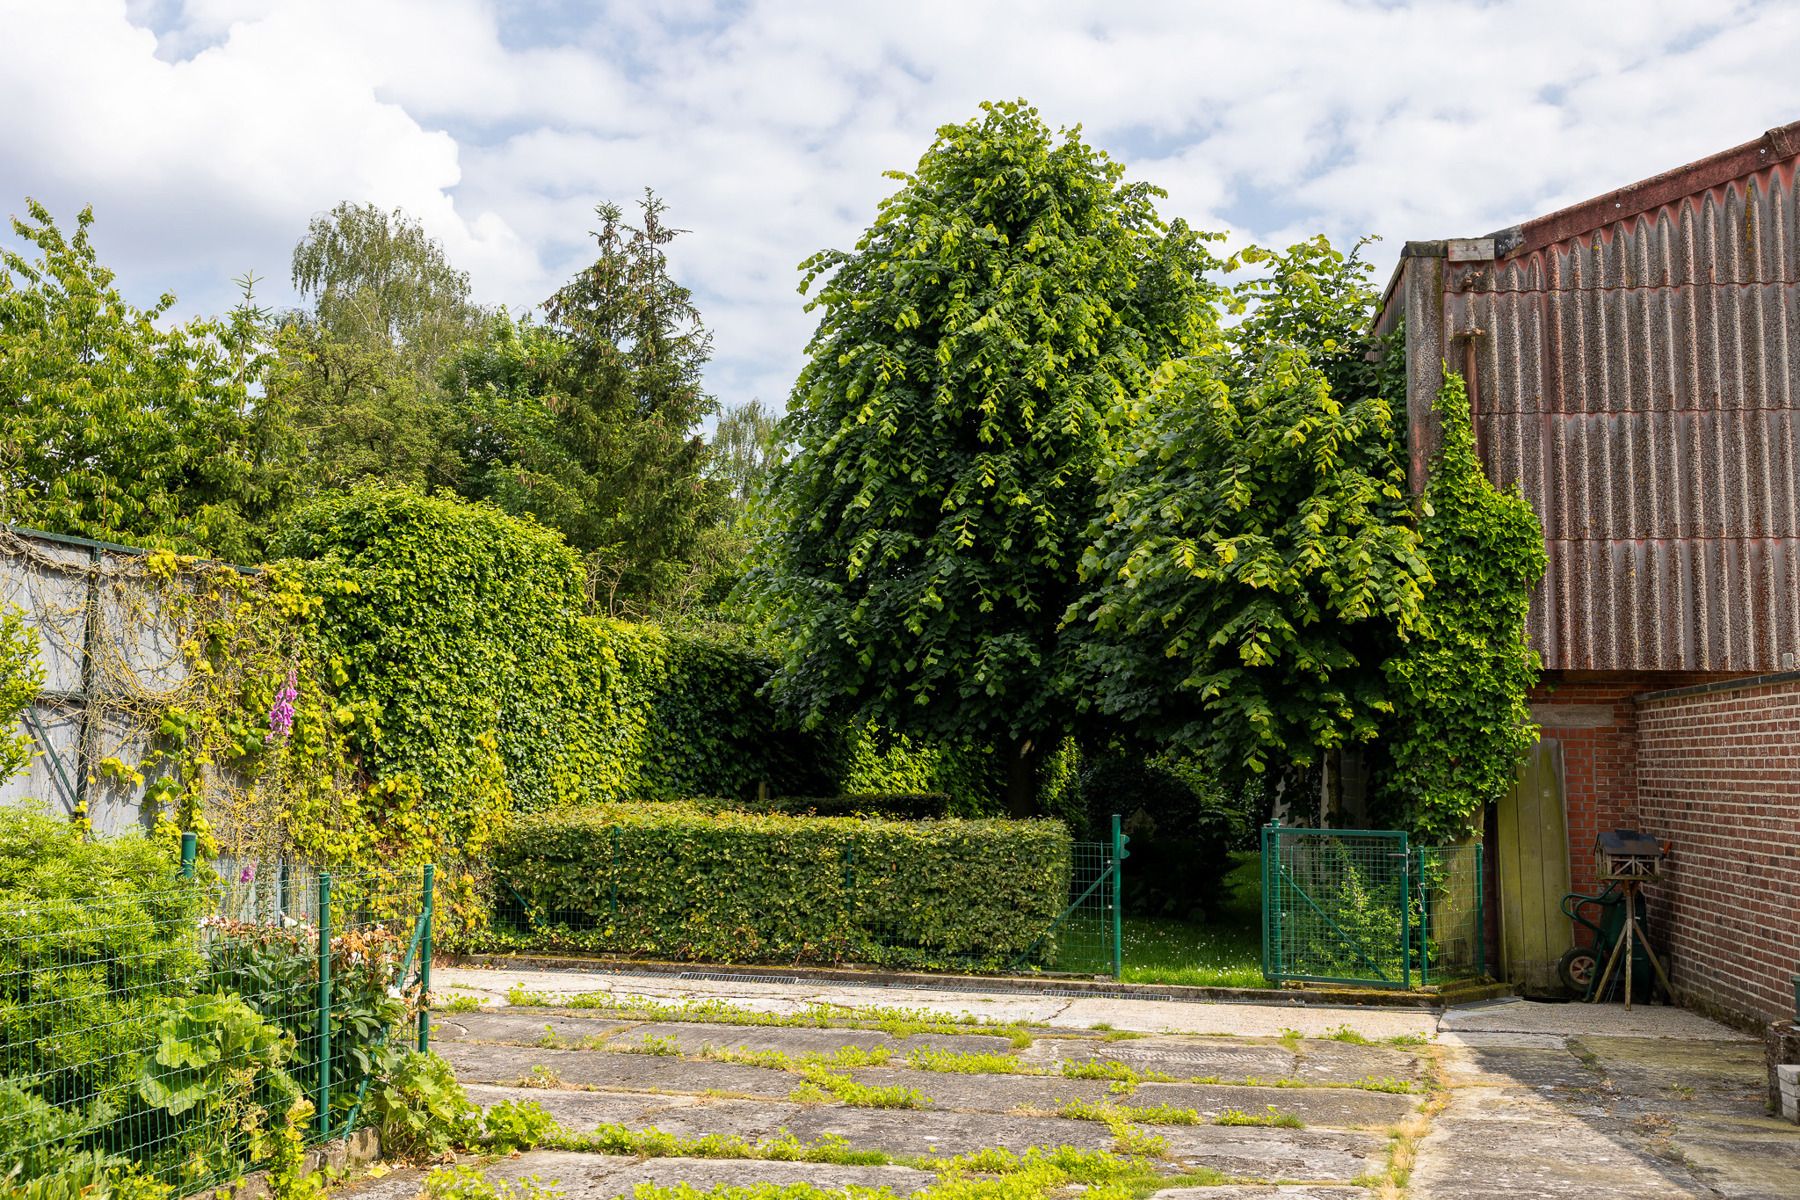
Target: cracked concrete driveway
column 1509, row 1099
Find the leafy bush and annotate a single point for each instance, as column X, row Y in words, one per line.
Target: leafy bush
column 419, row 1109
column 675, row 881
column 141, row 1046
column 276, row 971
column 471, row 684
column 90, row 936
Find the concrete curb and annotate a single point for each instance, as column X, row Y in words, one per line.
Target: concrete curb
column 1044, row 985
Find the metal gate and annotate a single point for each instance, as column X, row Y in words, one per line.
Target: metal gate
column 1361, row 906
column 1088, row 936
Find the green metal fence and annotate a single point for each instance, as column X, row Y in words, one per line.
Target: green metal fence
column 1088, row 937
column 167, row 1035
column 1362, row 906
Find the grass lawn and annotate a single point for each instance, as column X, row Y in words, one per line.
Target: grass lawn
column 1224, row 952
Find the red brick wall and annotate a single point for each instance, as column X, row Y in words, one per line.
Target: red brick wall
column 1594, row 718
column 1718, row 775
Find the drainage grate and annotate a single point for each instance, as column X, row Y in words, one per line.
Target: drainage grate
column 736, row 977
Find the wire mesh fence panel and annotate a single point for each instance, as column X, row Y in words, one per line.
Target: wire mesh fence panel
column 1450, row 915
column 167, row 1035
column 1081, row 939
column 1336, row 906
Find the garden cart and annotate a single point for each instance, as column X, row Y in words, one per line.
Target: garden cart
column 1580, row 966
column 1626, row 860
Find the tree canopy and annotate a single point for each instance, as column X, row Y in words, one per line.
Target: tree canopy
column 117, row 423
column 1255, row 559
column 949, row 423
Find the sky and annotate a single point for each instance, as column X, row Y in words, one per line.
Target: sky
column 206, row 133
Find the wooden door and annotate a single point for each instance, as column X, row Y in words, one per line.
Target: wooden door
column 1531, row 863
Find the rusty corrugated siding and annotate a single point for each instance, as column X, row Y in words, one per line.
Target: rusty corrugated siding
column 1638, row 381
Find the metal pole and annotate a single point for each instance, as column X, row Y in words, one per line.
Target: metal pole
column 1424, row 926
column 324, row 1117
column 1405, row 914
column 190, row 848
column 1480, row 915
column 425, row 963
column 1268, row 921
column 1118, row 899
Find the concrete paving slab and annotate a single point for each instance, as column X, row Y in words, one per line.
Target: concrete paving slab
column 1746, row 1162
column 1585, row 1020
column 1732, row 1070
column 1519, row 1145
column 694, row 1037
column 1311, row 1154
column 1182, row 1057
column 985, row 1093
column 1341, row 1108
column 605, row 1177
column 1258, row 1191
column 524, row 1026
column 1066, row 1012
column 1342, row 1062
column 479, row 1062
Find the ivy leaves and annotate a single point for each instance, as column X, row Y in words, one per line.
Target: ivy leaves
column 1461, row 685
column 20, row 678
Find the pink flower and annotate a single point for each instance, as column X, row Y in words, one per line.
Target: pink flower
column 281, row 714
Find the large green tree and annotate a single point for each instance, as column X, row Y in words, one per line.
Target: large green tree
column 1257, row 561
column 948, row 425
column 591, row 421
column 118, row 423
column 357, row 372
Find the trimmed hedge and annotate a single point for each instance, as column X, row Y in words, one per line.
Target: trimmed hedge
column 894, row 806
column 674, row 881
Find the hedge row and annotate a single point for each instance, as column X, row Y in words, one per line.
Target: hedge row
column 895, row 806
column 674, row 881
column 471, row 683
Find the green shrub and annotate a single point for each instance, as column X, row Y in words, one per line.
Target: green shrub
column 419, row 1109
column 675, row 881
column 91, row 934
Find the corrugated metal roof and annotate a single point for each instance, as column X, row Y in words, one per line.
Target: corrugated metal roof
column 1638, row 377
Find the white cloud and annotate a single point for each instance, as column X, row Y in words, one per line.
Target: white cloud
column 206, row 145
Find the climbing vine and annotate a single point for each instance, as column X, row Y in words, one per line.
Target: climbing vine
column 20, row 678
column 1460, row 683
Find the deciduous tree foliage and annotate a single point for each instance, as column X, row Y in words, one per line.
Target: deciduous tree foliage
column 117, row 424
column 1256, row 561
column 358, row 373
column 948, row 426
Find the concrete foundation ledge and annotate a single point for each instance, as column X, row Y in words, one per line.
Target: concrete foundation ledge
column 1048, row 984
column 336, row 1156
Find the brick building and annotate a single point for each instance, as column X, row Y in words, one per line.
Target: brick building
column 1633, row 365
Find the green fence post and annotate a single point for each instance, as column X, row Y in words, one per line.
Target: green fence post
column 425, row 963
column 1480, row 916
column 1118, row 899
column 1405, row 914
column 190, row 848
column 324, row 1118
column 1424, row 926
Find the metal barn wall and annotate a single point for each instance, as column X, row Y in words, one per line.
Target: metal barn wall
column 1637, row 378
column 106, row 655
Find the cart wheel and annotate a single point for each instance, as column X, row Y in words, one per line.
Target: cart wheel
column 1577, row 969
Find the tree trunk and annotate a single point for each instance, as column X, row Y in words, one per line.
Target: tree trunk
column 1021, row 780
